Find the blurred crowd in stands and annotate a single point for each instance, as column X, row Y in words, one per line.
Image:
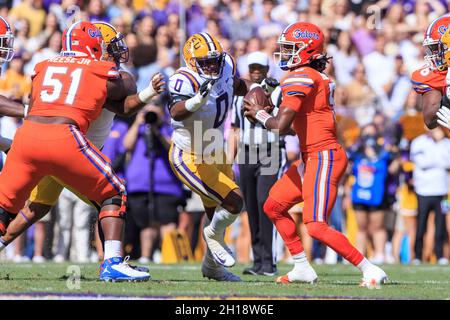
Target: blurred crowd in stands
column 375, row 46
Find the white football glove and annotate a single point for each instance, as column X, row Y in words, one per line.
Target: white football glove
column 443, row 115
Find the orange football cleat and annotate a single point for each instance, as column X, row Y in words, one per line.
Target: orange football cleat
column 283, row 279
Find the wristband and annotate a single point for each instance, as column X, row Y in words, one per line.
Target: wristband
column 147, row 94
column 194, row 103
column 262, row 116
column 25, row 110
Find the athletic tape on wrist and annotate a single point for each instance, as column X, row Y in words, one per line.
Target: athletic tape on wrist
column 194, row 103
column 147, row 94
column 262, row 116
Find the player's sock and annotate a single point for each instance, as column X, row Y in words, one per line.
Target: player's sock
column 335, row 240
column 214, row 237
column 285, row 225
column 221, row 220
column 364, row 265
column 300, row 261
column 2, row 244
column 112, row 249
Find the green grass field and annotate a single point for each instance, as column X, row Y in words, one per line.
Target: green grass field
column 52, row 280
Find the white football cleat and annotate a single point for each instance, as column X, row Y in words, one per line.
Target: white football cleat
column 307, row 275
column 218, row 247
column 373, row 277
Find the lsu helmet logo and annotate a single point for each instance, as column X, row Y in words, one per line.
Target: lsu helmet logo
column 95, row 33
column 305, row 34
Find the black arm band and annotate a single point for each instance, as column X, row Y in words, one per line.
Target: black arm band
column 177, row 98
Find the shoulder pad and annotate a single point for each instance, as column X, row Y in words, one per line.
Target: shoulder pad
column 183, row 82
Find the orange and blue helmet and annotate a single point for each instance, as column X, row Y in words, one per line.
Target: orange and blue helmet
column 299, row 44
column 204, row 55
column 434, row 53
column 6, row 41
column 83, row 39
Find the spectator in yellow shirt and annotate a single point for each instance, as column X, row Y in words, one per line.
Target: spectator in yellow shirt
column 31, row 10
column 14, row 83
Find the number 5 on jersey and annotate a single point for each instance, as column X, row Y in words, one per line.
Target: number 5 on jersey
column 54, row 85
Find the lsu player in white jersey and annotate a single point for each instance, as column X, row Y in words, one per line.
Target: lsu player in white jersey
column 201, row 95
column 47, row 192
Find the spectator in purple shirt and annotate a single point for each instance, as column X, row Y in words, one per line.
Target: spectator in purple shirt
column 154, row 193
column 97, row 11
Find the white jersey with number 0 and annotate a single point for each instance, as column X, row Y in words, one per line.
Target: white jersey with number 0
column 194, row 131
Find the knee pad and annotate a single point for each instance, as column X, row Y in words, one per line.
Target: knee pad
column 273, row 209
column 120, row 201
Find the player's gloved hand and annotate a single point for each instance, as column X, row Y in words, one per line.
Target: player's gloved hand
column 194, row 103
column 156, row 87
column 206, row 87
column 443, row 115
column 269, row 84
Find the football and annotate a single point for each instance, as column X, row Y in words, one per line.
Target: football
column 258, row 96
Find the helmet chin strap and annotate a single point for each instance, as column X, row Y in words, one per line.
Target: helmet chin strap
column 90, row 52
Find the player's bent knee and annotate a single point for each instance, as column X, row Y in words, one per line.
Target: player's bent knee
column 233, row 202
column 115, row 207
column 273, row 209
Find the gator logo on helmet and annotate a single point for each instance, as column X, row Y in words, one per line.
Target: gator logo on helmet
column 305, row 34
column 95, row 33
column 442, row 29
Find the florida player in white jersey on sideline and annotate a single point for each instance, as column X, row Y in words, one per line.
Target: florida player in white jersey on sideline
column 201, row 95
column 46, row 194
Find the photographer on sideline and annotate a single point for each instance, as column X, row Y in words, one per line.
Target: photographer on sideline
column 154, row 193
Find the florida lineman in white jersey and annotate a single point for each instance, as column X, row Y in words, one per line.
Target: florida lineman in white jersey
column 46, row 194
column 201, row 95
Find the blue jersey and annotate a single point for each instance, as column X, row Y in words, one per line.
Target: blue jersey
column 370, row 178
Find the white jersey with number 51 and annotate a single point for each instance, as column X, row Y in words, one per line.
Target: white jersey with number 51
column 191, row 134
